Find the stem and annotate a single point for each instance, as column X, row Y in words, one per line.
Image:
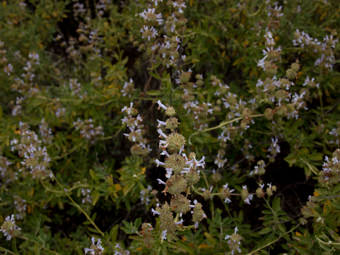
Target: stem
column 69, row 152
column 196, row 191
column 40, row 246
column 274, row 241
column 86, row 215
column 256, row 12
column 274, row 213
column 74, row 203
column 14, row 245
column 7, row 251
column 205, row 179
column 313, row 169
column 321, row 104
column 113, row 136
column 222, row 124
column 329, row 243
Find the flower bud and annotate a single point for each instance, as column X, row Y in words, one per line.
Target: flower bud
column 244, row 194
column 269, row 192
column 259, row 192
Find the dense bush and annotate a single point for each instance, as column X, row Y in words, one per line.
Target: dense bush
column 169, row 127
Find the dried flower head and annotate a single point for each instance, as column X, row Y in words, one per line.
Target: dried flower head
column 175, row 142
column 176, row 162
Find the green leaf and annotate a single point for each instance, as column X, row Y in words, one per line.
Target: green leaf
column 276, row 204
column 153, row 92
column 114, row 233
column 264, row 231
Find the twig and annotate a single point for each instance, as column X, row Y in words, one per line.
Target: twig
column 80, row 209
column 274, row 241
column 222, row 124
column 7, row 251
column 36, row 242
column 69, row 152
column 65, row 192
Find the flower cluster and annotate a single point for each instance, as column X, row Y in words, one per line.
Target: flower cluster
column 261, row 191
column 128, row 88
column 45, row 132
column 284, row 94
column 234, row 242
column 9, row 228
column 86, row 196
column 88, row 130
column 274, row 11
column 324, row 49
column 96, row 247
column 200, row 111
column 182, row 172
column 271, row 55
column 118, row 250
column 259, row 169
column 134, row 122
column 245, row 195
column 330, row 173
column 274, row 149
column 164, row 49
column 5, row 175
column 78, row 8
column 34, row 154
column 26, row 84
column 101, row 6
column 335, row 133
column 7, row 67
column 76, row 88
column 225, row 193
column 144, row 195
column 20, row 207
column 238, row 111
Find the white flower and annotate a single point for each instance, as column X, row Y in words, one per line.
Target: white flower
column 158, row 163
column 148, row 32
column 150, row 15
column 96, row 248
column 164, row 232
column 154, row 212
column 160, row 181
column 9, row 228
column 161, row 105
